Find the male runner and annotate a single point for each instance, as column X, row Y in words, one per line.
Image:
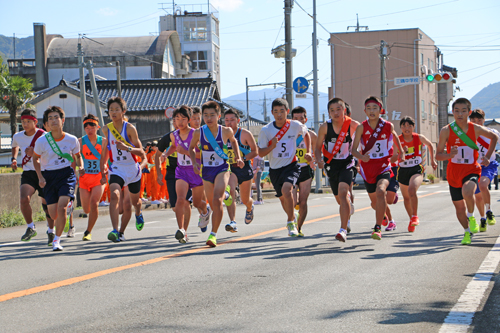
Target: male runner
column 410, row 171
column 54, row 152
column 212, row 138
column 278, row 139
column 376, row 137
column 25, row 140
column 303, row 185
column 335, row 142
column 463, row 172
column 122, row 148
column 241, row 177
column 488, row 173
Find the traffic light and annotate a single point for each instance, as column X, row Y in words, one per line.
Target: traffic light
column 439, row 77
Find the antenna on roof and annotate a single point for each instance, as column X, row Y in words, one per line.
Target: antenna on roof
column 357, row 26
column 84, row 36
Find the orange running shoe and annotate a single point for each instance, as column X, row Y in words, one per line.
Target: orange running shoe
column 414, row 221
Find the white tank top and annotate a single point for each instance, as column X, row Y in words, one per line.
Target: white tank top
column 117, row 156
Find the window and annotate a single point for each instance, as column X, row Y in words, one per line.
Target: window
column 215, row 31
column 199, row 59
column 195, row 29
column 422, row 110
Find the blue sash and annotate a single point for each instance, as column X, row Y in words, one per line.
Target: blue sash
column 299, row 140
column 92, row 166
column 242, row 149
column 215, row 146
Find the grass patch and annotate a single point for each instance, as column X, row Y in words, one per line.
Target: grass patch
column 13, row 217
column 9, row 170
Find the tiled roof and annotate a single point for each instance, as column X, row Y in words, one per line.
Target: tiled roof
column 253, row 122
column 159, row 94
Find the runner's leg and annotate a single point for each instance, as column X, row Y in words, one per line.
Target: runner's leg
column 27, row 192
column 181, row 188
column 231, row 210
column 304, row 191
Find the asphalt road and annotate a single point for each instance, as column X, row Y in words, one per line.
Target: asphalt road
column 256, row 280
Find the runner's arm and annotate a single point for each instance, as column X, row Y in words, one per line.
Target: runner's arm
column 481, row 130
column 249, row 140
column 443, row 138
column 429, row 144
column 319, row 143
column 396, row 140
column 262, row 140
column 395, row 155
column 158, row 167
column 38, row 170
column 227, row 134
column 192, row 151
column 15, row 151
column 134, row 138
column 307, row 141
column 355, row 145
column 104, row 159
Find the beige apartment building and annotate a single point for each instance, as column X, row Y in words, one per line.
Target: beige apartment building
column 356, row 74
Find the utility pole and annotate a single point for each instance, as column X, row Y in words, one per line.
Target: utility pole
column 81, row 64
column 97, row 104
column 288, row 52
column 264, row 107
column 248, row 112
column 118, row 80
column 383, row 80
column 315, row 91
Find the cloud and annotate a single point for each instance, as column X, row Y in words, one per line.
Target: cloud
column 227, row 5
column 107, row 11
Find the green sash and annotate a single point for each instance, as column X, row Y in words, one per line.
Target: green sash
column 463, row 136
column 56, row 148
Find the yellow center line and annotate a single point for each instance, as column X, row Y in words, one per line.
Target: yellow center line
column 86, row 277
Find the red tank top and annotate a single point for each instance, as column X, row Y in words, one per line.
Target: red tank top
column 413, row 151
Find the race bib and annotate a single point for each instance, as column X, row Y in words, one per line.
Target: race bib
column 301, row 153
column 92, row 166
column 343, row 152
column 411, row 162
column 231, row 157
column 184, row 160
column 284, row 149
column 379, row 149
column 211, row 159
column 465, row 155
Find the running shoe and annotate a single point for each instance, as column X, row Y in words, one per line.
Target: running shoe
column 396, row 197
column 66, row 226
column 228, row 201
column 50, row 237
column 87, row 236
column 490, row 218
column 352, row 208
column 57, row 246
column 29, row 234
column 385, row 221
column 69, row 210
column 204, row 220
column 467, row 238
column 292, row 229
column 483, row 226
column 71, row 232
column 377, row 233
column 249, row 216
column 212, row 241
column 184, row 240
column 300, row 233
column 231, row 227
column 121, row 237
column 414, row 221
column 391, row 226
column 139, row 222
column 342, row 235
column 474, row 227
column 114, row 236
column 261, row 202
column 180, row 234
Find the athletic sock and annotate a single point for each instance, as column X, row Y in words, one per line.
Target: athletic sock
column 483, row 217
column 414, row 216
column 226, row 195
column 56, row 238
column 31, row 225
column 391, row 221
column 213, row 234
column 467, row 230
column 469, row 214
column 50, row 231
column 487, row 207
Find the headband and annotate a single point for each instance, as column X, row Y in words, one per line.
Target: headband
column 374, row 101
column 91, row 121
column 28, row 117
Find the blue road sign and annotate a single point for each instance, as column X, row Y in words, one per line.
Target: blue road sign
column 300, row 85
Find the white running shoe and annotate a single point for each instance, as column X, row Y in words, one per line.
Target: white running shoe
column 258, row 202
column 292, row 229
column 56, row 246
column 71, row 232
column 155, row 202
column 205, row 220
column 342, row 235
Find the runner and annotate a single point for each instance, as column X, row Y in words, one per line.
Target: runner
column 54, row 153
column 122, row 148
column 25, row 141
column 91, row 189
column 279, row 139
column 212, row 138
column 187, row 176
column 459, row 138
column 376, row 137
column 410, row 172
column 303, row 185
column 241, row 177
column 258, row 169
column 392, row 193
column 488, row 173
column 356, row 166
column 335, row 142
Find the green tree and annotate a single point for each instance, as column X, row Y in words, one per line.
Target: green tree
column 15, row 93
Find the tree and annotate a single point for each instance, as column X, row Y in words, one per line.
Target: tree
column 15, row 93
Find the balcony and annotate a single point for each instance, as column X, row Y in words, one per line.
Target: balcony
column 21, row 67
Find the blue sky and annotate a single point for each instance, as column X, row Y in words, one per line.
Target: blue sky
column 466, row 31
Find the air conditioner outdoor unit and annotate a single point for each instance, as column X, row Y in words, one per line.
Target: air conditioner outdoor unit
column 423, row 69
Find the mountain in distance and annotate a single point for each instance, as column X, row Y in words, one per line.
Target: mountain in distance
column 25, row 48
column 256, row 103
column 488, row 99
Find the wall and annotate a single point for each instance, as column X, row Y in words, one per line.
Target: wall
column 10, row 194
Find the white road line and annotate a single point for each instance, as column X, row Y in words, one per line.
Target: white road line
column 460, row 317
column 432, row 186
column 13, row 243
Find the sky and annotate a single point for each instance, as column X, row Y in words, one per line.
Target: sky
column 466, row 31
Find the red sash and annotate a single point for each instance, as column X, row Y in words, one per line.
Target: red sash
column 416, row 145
column 371, row 141
column 339, row 141
column 483, row 143
column 38, row 134
column 281, row 132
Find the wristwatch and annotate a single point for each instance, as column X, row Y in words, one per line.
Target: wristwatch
column 13, row 159
column 129, row 149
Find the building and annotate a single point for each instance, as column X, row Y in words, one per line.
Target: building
column 198, row 30
column 356, row 74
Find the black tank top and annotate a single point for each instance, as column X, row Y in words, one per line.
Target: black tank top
column 331, row 138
